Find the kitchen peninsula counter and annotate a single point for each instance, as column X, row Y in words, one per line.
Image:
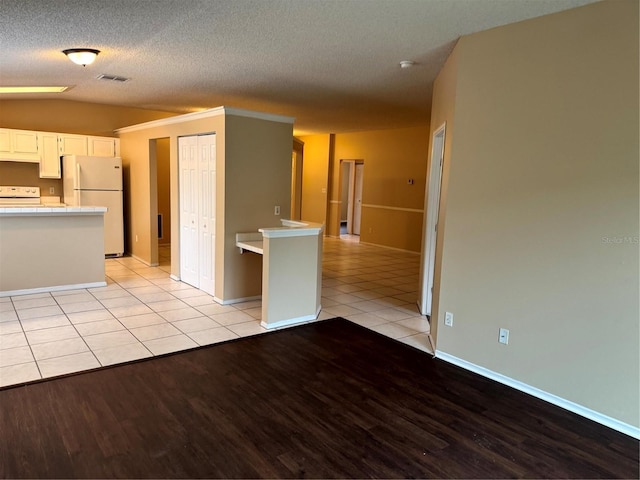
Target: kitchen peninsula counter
column 49, row 248
column 291, row 270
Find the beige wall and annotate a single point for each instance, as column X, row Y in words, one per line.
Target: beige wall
column 253, row 174
column 140, row 212
column 392, row 209
column 258, row 177
column 64, row 116
column 541, row 233
column 42, row 251
column 442, row 113
column 315, row 177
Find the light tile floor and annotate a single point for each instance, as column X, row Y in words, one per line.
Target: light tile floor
column 142, row 312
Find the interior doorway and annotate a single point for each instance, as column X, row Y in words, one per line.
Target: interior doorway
column 430, row 231
column 351, row 174
column 159, row 203
column 297, row 160
column 163, row 181
column 296, row 186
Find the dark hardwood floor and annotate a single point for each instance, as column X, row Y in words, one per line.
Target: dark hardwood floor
column 324, row 400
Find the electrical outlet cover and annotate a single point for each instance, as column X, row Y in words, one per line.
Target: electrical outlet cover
column 448, row 319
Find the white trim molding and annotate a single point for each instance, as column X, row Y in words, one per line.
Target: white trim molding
column 291, row 321
column 387, row 207
column 141, row 260
column 389, row 248
column 57, row 288
column 231, row 301
column 212, row 112
column 542, row 395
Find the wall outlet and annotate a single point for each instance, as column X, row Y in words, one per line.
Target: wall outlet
column 503, row 337
column 52, row 190
column 276, row 210
column 136, row 238
column 448, row 319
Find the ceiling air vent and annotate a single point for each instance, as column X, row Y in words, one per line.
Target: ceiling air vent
column 113, row 78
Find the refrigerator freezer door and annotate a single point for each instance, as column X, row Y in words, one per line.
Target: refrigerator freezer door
column 92, row 173
column 113, row 221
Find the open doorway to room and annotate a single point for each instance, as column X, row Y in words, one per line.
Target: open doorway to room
column 430, row 233
column 160, row 171
column 351, row 176
column 296, row 179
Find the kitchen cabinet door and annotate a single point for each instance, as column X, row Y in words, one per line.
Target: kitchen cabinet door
column 72, row 144
column 5, row 140
column 49, row 157
column 24, row 141
column 18, row 141
column 104, row 146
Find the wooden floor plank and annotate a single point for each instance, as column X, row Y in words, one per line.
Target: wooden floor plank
column 325, row 400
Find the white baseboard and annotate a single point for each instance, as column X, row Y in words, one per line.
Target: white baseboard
column 542, row 395
column 291, row 321
column 57, row 288
column 389, row 248
column 174, row 277
column 143, row 261
column 231, row 301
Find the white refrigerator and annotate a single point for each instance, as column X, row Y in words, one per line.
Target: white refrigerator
column 97, row 182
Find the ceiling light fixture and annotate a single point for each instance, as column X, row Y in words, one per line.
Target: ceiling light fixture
column 407, row 63
column 33, row 89
column 81, row 56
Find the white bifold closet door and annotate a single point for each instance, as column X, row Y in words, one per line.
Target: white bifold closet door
column 197, row 170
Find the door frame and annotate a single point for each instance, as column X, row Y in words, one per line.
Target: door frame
column 430, row 228
column 297, row 166
column 349, row 195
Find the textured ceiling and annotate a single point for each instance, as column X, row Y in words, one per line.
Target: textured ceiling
column 331, row 64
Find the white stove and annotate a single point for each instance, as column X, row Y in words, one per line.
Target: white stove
column 20, row 196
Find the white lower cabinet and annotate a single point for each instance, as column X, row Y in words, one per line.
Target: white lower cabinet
column 197, row 176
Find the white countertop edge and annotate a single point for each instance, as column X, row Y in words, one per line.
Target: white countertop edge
column 251, row 246
column 48, row 211
column 282, row 232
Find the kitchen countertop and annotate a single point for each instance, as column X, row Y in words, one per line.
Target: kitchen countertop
column 49, row 210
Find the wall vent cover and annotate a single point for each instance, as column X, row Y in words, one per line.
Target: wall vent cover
column 113, row 78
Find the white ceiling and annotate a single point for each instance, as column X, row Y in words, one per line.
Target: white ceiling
column 331, row 64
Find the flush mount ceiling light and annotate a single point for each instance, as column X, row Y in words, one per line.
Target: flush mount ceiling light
column 42, row 89
column 81, row 56
column 407, row 63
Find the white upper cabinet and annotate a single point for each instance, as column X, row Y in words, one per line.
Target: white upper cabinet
column 49, row 156
column 18, row 141
column 70, row 144
column 5, row 140
column 104, row 146
column 24, row 141
column 46, row 148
